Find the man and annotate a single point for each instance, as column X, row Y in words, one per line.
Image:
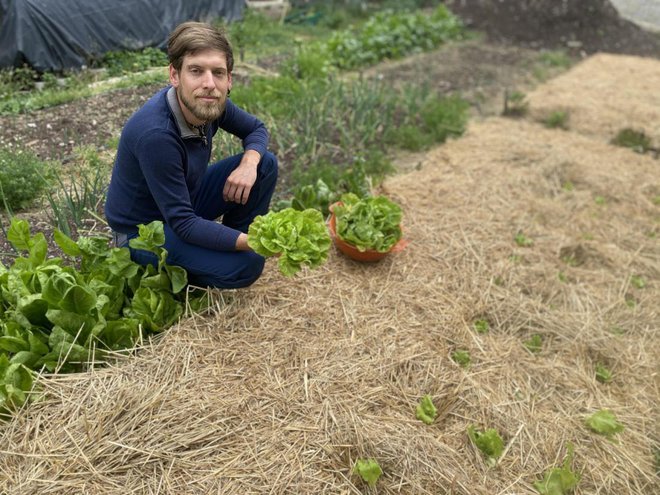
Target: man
column 161, row 171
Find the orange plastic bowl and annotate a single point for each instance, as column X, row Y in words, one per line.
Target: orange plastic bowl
column 354, row 253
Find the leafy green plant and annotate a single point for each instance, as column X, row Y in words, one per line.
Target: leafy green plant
column 534, row 344
column 489, row 442
column 369, row 470
column 603, row 374
column 21, row 178
column 557, row 120
column 634, row 139
column 368, row 223
column 390, row 34
column 426, row 410
column 481, row 325
column 301, row 238
column 604, row 422
column 461, row 357
column 431, row 120
column 58, row 316
column 559, row 481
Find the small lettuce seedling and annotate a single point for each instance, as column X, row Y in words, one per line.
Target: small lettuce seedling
column 461, row 357
column 604, row 422
column 426, row 410
column 481, row 325
column 603, row 375
column 534, row 344
column 559, row 481
column 489, row 442
column 369, row 470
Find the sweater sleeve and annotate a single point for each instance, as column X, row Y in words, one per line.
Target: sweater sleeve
column 163, row 162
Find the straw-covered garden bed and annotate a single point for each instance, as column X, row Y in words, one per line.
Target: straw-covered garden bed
column 286, row 384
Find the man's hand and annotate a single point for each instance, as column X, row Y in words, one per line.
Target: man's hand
column 241, row 243
column 240, row 181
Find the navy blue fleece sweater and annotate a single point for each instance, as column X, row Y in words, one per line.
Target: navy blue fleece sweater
column 160, row 165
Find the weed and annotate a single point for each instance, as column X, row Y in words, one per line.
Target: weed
column 555, row 58
column 568, row 186
column 557, row 120
column 631, row 138
column 515, row 104
column 21, row 178
column 522, row 240
column 600, row 200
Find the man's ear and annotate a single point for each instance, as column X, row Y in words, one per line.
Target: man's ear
column 174, row 76
column 229, row 81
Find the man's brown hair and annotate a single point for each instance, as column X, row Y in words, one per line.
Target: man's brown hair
column 191, row 37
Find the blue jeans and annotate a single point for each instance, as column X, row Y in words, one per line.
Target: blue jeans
column 222, row 269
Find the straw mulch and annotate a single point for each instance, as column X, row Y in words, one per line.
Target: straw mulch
column 287, row 383
column 603, row 95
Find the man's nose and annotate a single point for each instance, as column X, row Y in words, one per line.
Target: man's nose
column 208, row 80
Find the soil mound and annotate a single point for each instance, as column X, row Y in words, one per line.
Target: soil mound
column 584, row 26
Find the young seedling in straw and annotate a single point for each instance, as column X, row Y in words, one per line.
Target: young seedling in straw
column 426, row 410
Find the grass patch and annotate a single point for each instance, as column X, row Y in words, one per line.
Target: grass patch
column 557, row 120
column 634, row 139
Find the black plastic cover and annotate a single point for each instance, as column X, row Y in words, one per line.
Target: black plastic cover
column 66, row 34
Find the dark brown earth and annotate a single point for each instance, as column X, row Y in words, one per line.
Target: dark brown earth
column 481, row 70
column 584, row 27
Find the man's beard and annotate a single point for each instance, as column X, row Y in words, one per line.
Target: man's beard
column 203, row 111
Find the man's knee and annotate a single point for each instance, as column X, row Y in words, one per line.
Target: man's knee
column 268, row 165
column 245, row 272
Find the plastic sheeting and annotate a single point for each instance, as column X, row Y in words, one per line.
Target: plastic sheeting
column 66, row 34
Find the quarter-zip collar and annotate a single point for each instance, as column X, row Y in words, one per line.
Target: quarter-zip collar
column 184, row 129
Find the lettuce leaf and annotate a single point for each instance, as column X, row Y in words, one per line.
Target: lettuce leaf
column 559, row 481
column 301, row 238
column 426, row 410
column 489, row 442
column 604, row 422
column 369, row 223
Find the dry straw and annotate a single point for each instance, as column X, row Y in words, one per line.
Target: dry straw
column 286, row 384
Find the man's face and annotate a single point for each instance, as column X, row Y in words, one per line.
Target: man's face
column 202, row 85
